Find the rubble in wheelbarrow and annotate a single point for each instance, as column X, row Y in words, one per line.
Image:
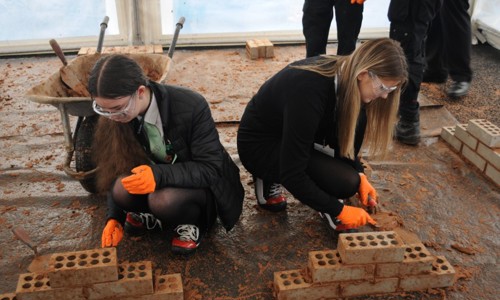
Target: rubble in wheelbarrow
column 96, row 274
column 367, row 263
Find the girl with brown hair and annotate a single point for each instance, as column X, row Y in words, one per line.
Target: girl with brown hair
column 159, row 157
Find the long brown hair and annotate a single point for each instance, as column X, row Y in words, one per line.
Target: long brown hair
column 115, row 147
column 384, row 57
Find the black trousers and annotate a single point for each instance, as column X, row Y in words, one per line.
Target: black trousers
column 316, row 21
column 410, row 20
column 448, row 46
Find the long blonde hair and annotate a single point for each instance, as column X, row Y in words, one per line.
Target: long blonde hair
column 385, row 58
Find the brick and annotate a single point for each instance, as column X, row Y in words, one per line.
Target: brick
column 417, row 260
column 291, row 285
column 370, row 247
column 448, row 134
column 261, row 48
column 376, row 286
column 83, row 267
column 252, row 49
column 485, row 131
column 269, row 48
column 462, row 134
column 37, row 286
column 9, row 296
column 473, row 158
column 441, row 275
column 166, row 287
column 133, row 279
column 491, row 155
column 493, row 174
column 326, row 266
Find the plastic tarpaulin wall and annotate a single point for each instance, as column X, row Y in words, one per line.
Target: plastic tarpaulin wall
column 485, row 22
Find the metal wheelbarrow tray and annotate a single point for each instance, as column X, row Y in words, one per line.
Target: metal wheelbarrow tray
column 53, row 91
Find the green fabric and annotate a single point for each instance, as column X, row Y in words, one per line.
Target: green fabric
column 156, row 142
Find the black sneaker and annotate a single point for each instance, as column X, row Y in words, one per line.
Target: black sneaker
column 269, row 195
column 458, row 89
column 335, row 225
column 140, row 223
column 186, row 240
column 408, row 132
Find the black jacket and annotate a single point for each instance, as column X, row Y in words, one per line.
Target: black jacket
column 202, row 161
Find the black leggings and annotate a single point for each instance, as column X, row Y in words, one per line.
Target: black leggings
column 171, row 205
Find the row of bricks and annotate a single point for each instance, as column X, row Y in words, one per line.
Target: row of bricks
column 123, row 50
column 134, row 281
column 259, row 49
column 294, row 284
column 479, row 142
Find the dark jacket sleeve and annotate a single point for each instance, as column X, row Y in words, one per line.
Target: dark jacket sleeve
column 114, row 212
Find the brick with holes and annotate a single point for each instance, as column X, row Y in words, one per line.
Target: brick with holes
column 417, row 260
column 292, row 285
column 485, row 131
column 326, row 266
column 83, row 267
column 37, row 286
column 441, row 275
column 368, row 287
column 166, row 287
column 8, row 296
column 134, row 279
column 371, row 247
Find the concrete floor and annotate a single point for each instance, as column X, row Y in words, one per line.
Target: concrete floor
column 439, row 197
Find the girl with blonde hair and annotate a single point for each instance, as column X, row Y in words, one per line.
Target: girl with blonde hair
column 305, row 127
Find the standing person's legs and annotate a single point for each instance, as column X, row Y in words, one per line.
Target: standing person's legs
column 316, row 20
column 411, row 33
column 457, row 38
column 435, row 69
column 349, row 18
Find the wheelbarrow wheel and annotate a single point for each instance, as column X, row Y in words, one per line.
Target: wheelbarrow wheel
column 83, row 151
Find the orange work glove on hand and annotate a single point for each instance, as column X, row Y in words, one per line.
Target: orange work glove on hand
column 353, row 217
column 358, row 1
column 141, row 182
column 112, row 234
column 366, row 192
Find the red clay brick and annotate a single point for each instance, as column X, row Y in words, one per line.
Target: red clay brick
column 325, row 266
column 368, row 287
column 370, row 247
column 166, row 287
column 36, row 286
column 291, row 285
column 441, row 275
column 9, row 296
column 83, row 267
column 133, row 279
column 417, row 260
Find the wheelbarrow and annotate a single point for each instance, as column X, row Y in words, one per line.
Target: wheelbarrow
column 55, row 91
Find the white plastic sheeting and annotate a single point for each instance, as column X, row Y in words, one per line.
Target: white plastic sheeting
column 485, row 22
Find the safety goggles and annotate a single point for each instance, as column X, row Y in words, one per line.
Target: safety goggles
column 379, row 87
column 115, row 113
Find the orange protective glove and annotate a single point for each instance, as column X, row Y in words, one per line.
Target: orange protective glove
column 353, row 217
column 366, row 192
column 141, row 182
column 358, row 1
column 112, row 234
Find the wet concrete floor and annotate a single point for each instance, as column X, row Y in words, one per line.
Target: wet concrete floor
column 444, row 201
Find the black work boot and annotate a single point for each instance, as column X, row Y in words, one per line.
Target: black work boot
column 408, row 132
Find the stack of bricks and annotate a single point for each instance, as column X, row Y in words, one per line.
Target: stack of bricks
column 365, row 264
column 260, row 49
column 96, row 274
column 479, row 143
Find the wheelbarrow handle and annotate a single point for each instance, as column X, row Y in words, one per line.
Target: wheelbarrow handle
column 57, row 49
column 178, row 28
column 104, row 25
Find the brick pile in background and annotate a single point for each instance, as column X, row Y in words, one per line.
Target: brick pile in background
column 366, row 263
column 479, row 143
column 96, row 274
column 259, row 49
